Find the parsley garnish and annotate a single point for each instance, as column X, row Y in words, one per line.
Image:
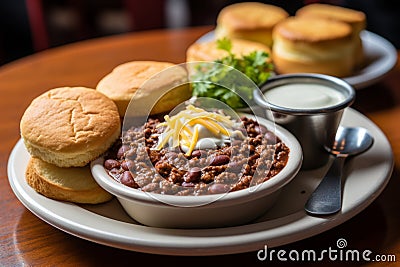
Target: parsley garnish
column 210, row 77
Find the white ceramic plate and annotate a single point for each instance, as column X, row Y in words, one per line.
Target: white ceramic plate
column 286, row 222
column 381, row 57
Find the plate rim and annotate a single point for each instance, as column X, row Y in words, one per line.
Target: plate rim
column 358, row 81
column 219, row 241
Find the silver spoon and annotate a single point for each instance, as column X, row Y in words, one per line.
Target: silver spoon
column 327, row 198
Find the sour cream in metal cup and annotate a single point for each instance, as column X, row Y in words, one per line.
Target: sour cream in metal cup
column 310, row 106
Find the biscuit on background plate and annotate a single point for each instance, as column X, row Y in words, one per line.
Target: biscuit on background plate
column 251, row 21
column 209, row 51
column 355, row 19
column 315, row 45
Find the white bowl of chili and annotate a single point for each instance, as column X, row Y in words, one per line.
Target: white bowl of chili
column 210, row 207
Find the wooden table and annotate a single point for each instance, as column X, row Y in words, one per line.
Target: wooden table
column 28, row 241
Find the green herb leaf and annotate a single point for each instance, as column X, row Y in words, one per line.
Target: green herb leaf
column 255, row 66
column 224, row 44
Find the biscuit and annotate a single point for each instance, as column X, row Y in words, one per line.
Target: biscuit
column 162, row 85
column 354, row 18
column 313, row 45
column 251, row 21
column 209, row 51
column 67, row 184
column 70, row 126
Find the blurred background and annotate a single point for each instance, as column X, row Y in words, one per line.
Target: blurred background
column 30, row 26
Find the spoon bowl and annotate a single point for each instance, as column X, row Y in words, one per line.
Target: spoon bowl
column 351, row 141
column 327, row 198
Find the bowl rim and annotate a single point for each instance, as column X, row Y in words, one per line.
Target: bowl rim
column 315, row 78
column 276, row 182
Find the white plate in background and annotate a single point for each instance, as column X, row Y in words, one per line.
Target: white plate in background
column 380, row 58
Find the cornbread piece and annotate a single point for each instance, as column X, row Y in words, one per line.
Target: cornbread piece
column 70, row 126
column 250, row 21
column 303, row 44
column 161, row 85
column 356, row 20
column 209, row 51
column 67, row 184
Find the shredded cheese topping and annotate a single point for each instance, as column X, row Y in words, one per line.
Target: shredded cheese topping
column 184, row 129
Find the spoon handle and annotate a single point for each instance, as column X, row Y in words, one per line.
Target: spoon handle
column 327, row 197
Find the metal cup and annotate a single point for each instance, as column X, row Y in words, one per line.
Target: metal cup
column 315, row 128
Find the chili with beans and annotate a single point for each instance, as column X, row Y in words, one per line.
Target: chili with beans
column 243, row 163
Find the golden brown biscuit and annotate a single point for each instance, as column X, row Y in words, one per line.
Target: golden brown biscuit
column 250, row 21
column 356, row 19
column 209, row 51
column 67, row 184
column 313, row 45
column 70, row 126
column 155, row 81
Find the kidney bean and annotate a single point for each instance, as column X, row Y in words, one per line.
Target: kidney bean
column 187, row 184
column 218, row 188
column 260, row 129
column 270, row 137
column 171, row 155
column 198, row 153
column 150, row 187
column 122, row 150
column 193, row 175
column 235, row 166
column 114, row 172
column 127, row 165
column 111, row 163
column 131, row 154
column 127, row 179
column 220, row 160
